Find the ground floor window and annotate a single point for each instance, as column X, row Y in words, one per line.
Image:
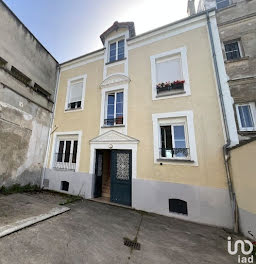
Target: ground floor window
column 246, row 115
column 65, row 157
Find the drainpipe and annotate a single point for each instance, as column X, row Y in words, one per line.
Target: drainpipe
column 226, row 152
column 50, row 129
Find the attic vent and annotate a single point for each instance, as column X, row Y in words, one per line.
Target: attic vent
column 41, row 91
column 64, row 186
column 20, row 76
column 178, row 206
column 2, row 62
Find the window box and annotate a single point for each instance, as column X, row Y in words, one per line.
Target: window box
column 168, row 87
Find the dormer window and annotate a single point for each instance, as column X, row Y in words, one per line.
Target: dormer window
column 116, row 50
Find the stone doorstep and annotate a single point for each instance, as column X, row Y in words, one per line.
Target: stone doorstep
column 11, row 228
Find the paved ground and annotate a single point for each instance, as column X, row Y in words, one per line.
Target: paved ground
column 93, row 233
column 19, row 206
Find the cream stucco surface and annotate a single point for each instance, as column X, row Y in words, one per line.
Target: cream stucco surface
column 115, row 69
column 244, row 175
column 203, row 101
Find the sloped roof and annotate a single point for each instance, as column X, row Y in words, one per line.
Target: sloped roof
column 116, row 26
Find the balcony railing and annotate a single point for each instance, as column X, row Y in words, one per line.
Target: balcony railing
column 172, row 153
column 113, row 121
column 64, row 161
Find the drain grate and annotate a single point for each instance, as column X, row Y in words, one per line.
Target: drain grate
column 131, row 244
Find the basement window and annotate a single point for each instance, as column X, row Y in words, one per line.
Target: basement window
column 64, row 186
column 178, row 206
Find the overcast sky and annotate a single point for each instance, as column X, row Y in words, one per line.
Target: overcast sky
column 70, row 28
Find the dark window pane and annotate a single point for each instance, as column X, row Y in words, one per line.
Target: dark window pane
column 67, row 151
column 119, row 97
column 112, row 54
column 60, row 152
column 111, row 99
column 245, row 116
column 120, row 49
column 222, row 3
column 166, row 141
column 74, row 152
column 232, row 51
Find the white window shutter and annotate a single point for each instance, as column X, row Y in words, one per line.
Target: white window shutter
column 76, row 90
column 169, row 70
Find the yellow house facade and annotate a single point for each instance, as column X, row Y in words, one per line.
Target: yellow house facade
column 140, row 122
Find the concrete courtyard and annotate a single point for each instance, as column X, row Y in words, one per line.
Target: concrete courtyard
column 93, row 232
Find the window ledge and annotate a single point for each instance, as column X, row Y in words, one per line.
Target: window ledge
column 237, row 60
column 170, row 93
column 247, row 132
column 74, row 109
column 63, row 169
column 112, row 62
column 175, row 160
column 112, row 126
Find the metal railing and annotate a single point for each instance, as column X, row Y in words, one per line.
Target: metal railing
column 171, row 153
column 113, row 121
column 64, row 161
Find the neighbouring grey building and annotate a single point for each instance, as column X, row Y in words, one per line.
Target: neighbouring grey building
column 237, row 29
column 28, row 74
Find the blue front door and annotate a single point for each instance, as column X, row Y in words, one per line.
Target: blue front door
column 121, row 176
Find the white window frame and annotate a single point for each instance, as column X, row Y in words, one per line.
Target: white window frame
column 104, row 92
column 106, row 106
column 174, row 122
column 182, row 52
column 83, row 77
column 239, row 48
column 189, row 135
column 66, row 136
column 253, row 111
column 116, row 41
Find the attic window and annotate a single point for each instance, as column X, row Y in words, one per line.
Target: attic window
column 116, row 50
column 20, row 76
column 41, row 91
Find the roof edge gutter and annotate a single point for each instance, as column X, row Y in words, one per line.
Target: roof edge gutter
column 226, row 151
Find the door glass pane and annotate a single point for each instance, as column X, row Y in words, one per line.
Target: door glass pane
column 122, row 166
column 179, row 141
column 74, row 152
column 67, row 151
column 120, row 49
column 60, row 152
column 112, row 53
column 245, row 116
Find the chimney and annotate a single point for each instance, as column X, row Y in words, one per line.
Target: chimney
column 191, row 8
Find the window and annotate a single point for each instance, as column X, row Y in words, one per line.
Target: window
column 222, row 3
column 75, row 93
column 116, row 50
column 246, row 114
column 64, row 186
column 173, row 141
column 114, row 109
column 66, row 153
column 174, row 138
column 169, row 71
column 232, row 50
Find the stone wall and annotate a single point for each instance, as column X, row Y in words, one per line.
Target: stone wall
column 26, row 101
